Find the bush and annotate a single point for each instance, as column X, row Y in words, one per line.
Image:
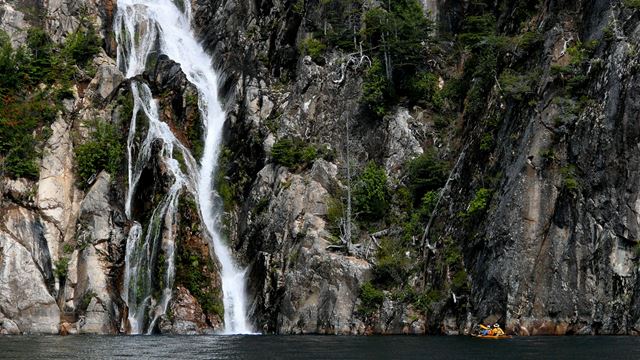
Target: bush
column 82, row 45
column 633, row 4
column 569, row 181
column 426, row 173
column 425, row 301
column 103, row 151
column 518, row 86
column 370, row 194
column 61, row 267
column 371, row 298
column 376, row 89
column 424, row 89
column 312, row 47
column 479, row 203
column 393, row 266
column 293, row 153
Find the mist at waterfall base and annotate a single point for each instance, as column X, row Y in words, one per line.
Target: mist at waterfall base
column 317, row 347
column 142, row 27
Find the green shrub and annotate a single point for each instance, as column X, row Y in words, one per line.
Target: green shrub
column 61, row 267
column 425, row 301
column 370, row 194
column 633, row 4
column 191, row 272
column 487, row 142
column 371, row 299
column 82, row 45
column 459, row 281
column 426, row 173
column 424, row 89
column 518, row 86
column 570, row 181
column 312, row 47
column 393, row 266
column 102, row 151
column 376, row 89
column 480, row 202
column 477, row 28
column 293, row 153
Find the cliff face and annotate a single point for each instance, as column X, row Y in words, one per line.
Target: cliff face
column 553, row 248
column 520, row 158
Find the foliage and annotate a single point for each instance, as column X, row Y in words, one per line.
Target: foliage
column 397, row 34
column 102, row 151
column 480, row 202
column 61, row 267
column 393, row 266
column 425, row 301
column 81, row 45
column 293, row 153
column 487, row 142
column 25, row 113
column 570, row 181
column 518, row 86
column 476, row 29
column 312, row 47
column 191, row 271
column 376, row 89
column 424, row 89
column 633, row 4
column 426, row 173
column 370, row 194
column 371, row 298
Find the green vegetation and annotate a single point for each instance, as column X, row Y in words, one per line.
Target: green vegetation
column 519, row 86
column 293, row 153
column 393, row 266
column 479, row 203
column 425, row 301
column 376, row 89
column 312, row 47
column 61, row 268
column 396, row 36
column 102, row 151
column 426, row 173
column 633, row 4
column 193, row 271
column 370, row 194
column 569, row 179
column 371, row 298
column 27, row 109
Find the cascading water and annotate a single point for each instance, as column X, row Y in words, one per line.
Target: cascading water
column 140, row 26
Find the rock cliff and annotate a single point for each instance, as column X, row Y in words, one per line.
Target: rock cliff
column 479, row 168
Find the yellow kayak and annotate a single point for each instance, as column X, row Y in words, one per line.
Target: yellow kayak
column 492, row 336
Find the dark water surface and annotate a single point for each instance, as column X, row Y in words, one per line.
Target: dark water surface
column 316, row 347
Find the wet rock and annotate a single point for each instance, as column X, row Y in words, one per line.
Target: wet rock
column 185, row 315
column 8, row 327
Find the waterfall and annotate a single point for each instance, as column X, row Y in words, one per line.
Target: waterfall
column 142, row 26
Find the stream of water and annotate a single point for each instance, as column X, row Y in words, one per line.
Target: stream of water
column 142, row 27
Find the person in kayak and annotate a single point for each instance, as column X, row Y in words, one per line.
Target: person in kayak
column 485, row 330
column 496, row 331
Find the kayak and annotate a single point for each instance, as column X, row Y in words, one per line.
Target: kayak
column 492, row 336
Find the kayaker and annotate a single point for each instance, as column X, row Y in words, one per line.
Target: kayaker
column 485, row 330
column 497, row 330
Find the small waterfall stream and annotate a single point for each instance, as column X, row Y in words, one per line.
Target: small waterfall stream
column 142, row 26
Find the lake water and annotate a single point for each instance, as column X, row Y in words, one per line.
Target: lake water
column 316, row 347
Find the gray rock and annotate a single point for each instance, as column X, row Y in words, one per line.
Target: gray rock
column 13, row 23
